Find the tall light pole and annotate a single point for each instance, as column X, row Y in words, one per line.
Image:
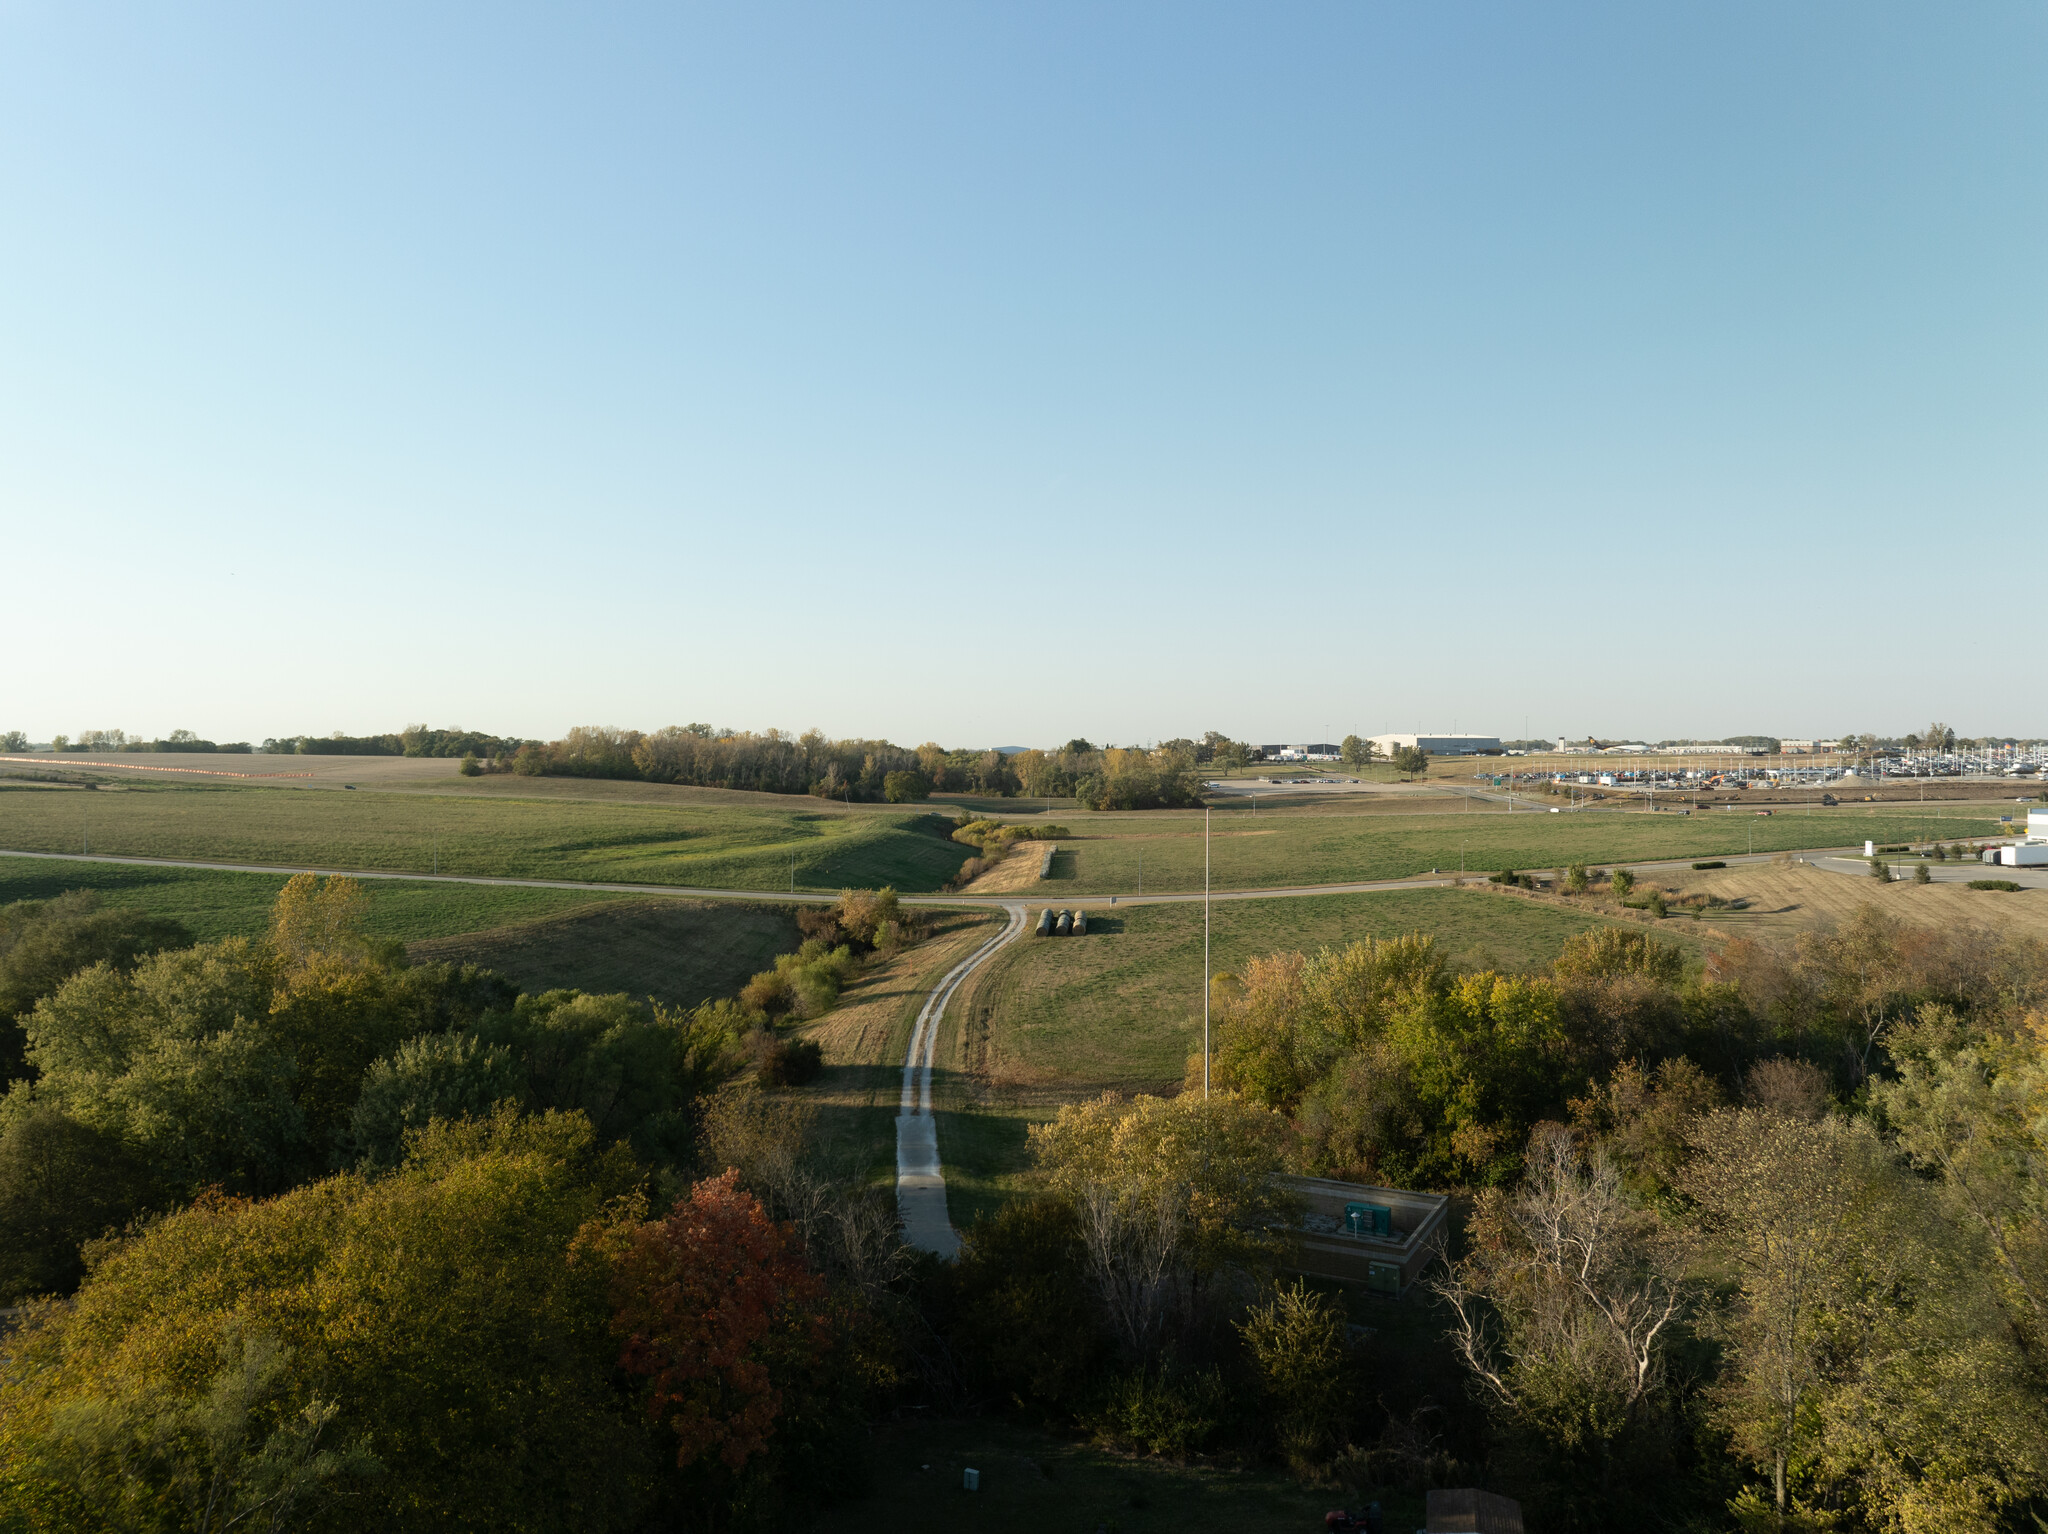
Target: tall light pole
column 1205, row 954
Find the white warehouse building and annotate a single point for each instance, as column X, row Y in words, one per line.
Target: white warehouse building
column 1439, row 745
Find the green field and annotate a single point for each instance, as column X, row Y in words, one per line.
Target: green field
column 543, row 837
column 216, row 904
column 1110, row 854
column 1059, row 1019
column 687, row 843
column 678, row 951
column 1122, row 1006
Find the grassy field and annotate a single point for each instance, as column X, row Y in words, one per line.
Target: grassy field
column 1111, row 853
column 513, row 829
column 528, row 837
column 1058, row 1020
column 215, row 904
column 679, row 952
column 1122, row 1006
column 865, row 1038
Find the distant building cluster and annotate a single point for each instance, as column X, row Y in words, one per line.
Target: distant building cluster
column 1439, row 745
column 1318, row 751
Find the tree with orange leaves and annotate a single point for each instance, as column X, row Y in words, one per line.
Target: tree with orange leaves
column 711, row 1301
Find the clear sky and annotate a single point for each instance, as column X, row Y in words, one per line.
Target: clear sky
column 1001, row 373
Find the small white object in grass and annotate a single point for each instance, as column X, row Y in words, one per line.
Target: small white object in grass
column 971, row 1480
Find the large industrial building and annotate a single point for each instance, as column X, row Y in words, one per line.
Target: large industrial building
column 1312, row 751
column 1439, row 745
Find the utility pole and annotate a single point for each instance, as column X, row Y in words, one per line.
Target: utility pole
column 1205, row 955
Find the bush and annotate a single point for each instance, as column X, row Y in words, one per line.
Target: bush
column 1173, row 1410
column 1655, row 904
column 471, row 767
column 1575, row 879
column 1700, row 868
column 1622, row 882
column 2007, row 886
column 1880, row 870
column 791, row 1062
column 1296, row 1339
column 1921, row 875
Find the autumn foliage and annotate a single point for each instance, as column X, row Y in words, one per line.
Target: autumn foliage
column 708, row 1300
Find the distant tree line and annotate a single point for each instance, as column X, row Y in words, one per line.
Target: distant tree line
column 874, row 771
column 105, row 741
column 413, row 740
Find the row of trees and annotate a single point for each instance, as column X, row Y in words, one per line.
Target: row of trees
column 873, row 771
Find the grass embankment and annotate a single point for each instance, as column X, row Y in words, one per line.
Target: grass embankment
column 677, row 951
column 539, row 838
column 215, row 904
column 866, row 1037
column 1055, row 1020
column 1109, row 853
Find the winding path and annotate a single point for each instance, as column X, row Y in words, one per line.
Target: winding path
column 920, row 1184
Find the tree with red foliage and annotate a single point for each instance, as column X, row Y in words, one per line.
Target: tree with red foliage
column 710, row 1300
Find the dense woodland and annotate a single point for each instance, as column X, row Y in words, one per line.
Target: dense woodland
column 342, row 1242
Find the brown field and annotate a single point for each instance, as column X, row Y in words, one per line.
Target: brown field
column 1017, row 872
column 1789, row 897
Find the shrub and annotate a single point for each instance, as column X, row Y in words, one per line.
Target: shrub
column 1575, row 879
column 1296, row 1339
column 1172, row 1410
column 1939, row 853
column 791, row 1062
column 1604, row 952
column 768, row 992
column 1623, row 882
column 1699, row 868
column 1655, row 904
column 1921, row 875
column 2007, row 886
column 1880, row 870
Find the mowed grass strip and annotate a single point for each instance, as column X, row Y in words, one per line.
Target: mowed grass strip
column 546, row 838
column 1122, row 1006
column 679, row 952
column 1112, row 854
column 215, row 904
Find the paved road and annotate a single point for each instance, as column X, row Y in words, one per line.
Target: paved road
column 1049, row 895
column 2029, row 878
column 920, row 1184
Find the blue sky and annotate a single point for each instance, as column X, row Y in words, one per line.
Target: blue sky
column 1003, row 373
